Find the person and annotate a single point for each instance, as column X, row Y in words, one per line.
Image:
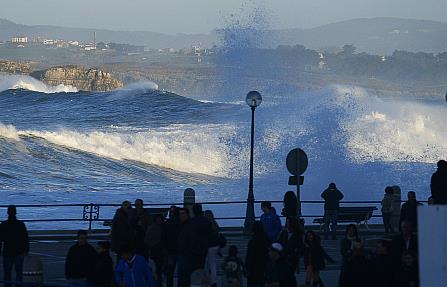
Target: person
column 270, row 220
column 357, row 269
column 290, row 202
column 213, row 249
column 395, row 215
column 292, row 241
column 14, row 238
column 202, row 232
column 233, row 268
column 169, row 239
column 405, row 241
column 257, row 256
column 350, row 243
column 140, row 220
column 387, row 209
column 103, row 270
column 381, row 265
column 408, row 211
column 407, row 275
column 314, row 258
column 80, row 261
column 438, row 183
column 155, row 246
column 332, row 197
column 122, row 232
column 278, row 273
column 133, row 270
column 185, row 243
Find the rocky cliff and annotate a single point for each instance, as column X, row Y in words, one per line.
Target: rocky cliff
column 82, row 79
column 11, row 67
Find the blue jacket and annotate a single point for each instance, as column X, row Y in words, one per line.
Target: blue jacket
column 137, row 273
column 272, row 224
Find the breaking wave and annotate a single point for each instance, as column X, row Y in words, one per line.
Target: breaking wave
column 14, row 82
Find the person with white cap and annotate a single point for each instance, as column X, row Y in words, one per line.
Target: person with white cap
column 278, row 272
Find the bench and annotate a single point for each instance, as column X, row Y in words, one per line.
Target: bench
column 152, row 211
column 351, row 214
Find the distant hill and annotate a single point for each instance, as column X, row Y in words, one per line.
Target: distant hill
column 372, row 35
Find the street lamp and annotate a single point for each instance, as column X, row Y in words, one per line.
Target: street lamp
column 253, row 100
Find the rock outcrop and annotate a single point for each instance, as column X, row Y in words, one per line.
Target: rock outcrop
column 11, row 67
column 81, row 78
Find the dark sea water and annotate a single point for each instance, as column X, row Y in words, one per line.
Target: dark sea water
column 80, row 147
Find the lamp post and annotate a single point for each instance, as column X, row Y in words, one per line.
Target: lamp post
column 253, row 100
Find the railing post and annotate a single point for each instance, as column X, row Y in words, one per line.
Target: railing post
column 90, row 213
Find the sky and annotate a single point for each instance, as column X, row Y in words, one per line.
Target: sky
column 201, row 16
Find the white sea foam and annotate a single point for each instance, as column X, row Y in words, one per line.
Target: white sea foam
column 12, row 82
column 9, row 131
column 144, row 85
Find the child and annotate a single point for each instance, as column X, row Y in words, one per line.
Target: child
column 233, row 268
column 314, row 258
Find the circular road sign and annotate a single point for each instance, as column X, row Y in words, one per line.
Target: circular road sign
column 297, row 161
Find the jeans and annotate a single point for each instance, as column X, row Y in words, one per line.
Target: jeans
column 330, row 217
column 8, row 263
column 387, row 222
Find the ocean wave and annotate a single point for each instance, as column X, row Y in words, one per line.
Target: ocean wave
column 14, row 82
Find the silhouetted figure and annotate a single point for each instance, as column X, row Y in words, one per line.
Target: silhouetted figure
column 133, row 270
column 169, row 240
column 382, row 269
column 202, row 231
column 387, row 209
column 278, row 273
column 407, row 274
column 270, row 221
column 140, row 220
column 122, row 232
column 257, row 256
column 185, row 245
column 292, row 241
column 103, row 271
column 14, row 236
column 80, row 261
column 290, row 205
column 233, row 268
column 314, row 258
column 408, row 211
column 357, row 269
column 155, row 246
column 405, row 241
column 438, row 183
column 213, row 249
column 332, row 197
column 350, row 243
column 395, row 216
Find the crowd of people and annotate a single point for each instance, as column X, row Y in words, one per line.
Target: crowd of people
column 150, row 248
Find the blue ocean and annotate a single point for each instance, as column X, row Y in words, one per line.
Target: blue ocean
column 58, row 145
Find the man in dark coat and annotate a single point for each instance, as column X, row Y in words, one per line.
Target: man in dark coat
column 14, row 236
column 80, row 260
column 202, row 233
column 408, row 211
column 332, row 197
column 169, row 235
column 140, row 219
column 103, row 271
column 438, row 183
column 257, row 256
column 185, row 243
column 405, row 241
column 122, row 231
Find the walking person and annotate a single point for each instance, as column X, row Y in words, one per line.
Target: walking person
column 133, row 270
column 201, row 234
column 155, row 246
column 291, row 240
column 213, row 249
column 332, row 197
column 271, row 221
column 257, row 256
column 387, row 209
column 103, row 271
column 122, row 232
column 80, row 261
column 185, row 243
column 14, row 236
column 314, row 259
column 350, row 243
column 140, row 220
column 278, row 272
column 234, row 268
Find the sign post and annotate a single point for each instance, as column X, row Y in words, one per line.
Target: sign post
column 296, row 163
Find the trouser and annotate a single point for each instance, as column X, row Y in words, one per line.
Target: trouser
column 330, row 217
column 386, row 216
column 184, row 271
column 169, row 268
column 210, row 263
column 17, row 263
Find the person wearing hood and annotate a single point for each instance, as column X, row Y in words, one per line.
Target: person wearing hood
column 332, row 197
column 270, row 220
column 438, row 184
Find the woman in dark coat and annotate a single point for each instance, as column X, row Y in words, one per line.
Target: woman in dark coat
column 314, row 258
column 257, row 256
column 292, row 241
column 348, row 245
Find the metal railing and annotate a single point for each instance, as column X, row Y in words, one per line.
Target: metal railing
column 98, row 213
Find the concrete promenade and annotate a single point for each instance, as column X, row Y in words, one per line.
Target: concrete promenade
column 52, row 247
